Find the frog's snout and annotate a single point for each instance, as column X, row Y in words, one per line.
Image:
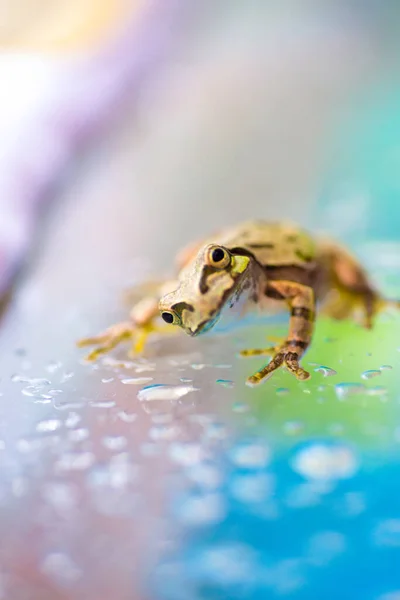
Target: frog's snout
column 192, row 332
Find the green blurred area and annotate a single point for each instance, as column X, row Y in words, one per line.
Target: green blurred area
column 366, row 416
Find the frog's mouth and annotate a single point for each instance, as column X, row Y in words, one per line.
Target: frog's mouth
column 204, row 326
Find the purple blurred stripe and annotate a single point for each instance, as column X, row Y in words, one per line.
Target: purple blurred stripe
column 83, row 95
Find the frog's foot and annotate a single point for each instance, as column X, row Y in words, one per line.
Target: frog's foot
column 121, row 332
column 107, row 340
column 288, row 355
column 380, row 305
column 360, row 307
column 140, row 335
column 340, row 305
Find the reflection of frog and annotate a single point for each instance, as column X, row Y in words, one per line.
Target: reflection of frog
column 274, row 263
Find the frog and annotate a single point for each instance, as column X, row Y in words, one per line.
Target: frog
column 271, row 266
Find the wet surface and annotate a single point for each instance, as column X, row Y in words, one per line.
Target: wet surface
column 163, row 472
column 165, row 476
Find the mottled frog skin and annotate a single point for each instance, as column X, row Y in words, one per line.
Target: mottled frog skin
column 270, row 265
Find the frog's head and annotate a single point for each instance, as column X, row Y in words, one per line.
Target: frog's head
column 206, row 286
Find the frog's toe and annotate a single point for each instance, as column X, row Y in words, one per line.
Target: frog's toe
column 257, row 352
column 293, row 366
column 302, row 374
column 92, row 341
column 107, row 340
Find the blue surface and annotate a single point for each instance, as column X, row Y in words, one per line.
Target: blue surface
column 292, row 537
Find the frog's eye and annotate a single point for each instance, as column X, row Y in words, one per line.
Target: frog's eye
column 218, row 257
column 170, row 317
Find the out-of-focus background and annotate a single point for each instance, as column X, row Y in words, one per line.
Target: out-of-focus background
column 128, row 129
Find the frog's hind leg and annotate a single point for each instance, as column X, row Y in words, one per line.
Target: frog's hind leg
column 351, row 290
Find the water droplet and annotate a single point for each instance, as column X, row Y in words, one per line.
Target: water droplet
column 102, row 403
column 292, row 427
column 73, row 419
column 325, row 546
column 34, row 392
column 145, row 368
column 325, row 462
column 114, row 442
column 127, row 417
column 61, row 569
column 199, row 366
column 62, row 496
column 201, row 419
column 387, row 533
column 66, row 404
column 204, row 475
column 252, row 488
column 26, row 445
column 343, row 390
column 75, row 461
column 136, row 380
column 78, row 435
column 231, row 566
column 109, row 361
column 378, row 390
column 251, row 455
column 107, row 379
column 48, row 425
column 216, row 431
column 53, row 393
column 371, row 373
column 186, row 380
column 53, row 366
column 386, row 368
column 39, row 381
column 240, row 407
column 228, row 383
column 186, row 453
column 205, row 509
column 164, row 432
column 282, row 391
column 117, row 474
column 326, row 371
column 66, row 376
column 16, row 378
column 164, row 392
column 178, row 362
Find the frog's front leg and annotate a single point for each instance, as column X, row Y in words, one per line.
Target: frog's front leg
column 302, row 306
column 140, row 325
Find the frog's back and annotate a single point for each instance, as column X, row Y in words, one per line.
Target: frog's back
column 272, row 244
